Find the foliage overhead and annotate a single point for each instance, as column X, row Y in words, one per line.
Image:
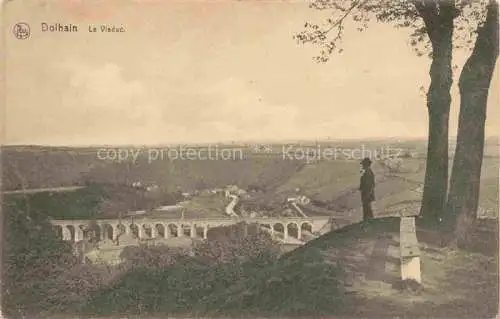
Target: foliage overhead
column 400, row 13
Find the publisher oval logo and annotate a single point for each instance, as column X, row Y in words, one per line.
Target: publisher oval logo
column 21, row 30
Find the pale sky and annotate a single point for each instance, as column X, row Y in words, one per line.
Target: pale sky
column 208, row 71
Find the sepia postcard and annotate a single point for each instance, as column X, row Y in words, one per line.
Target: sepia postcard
column 250, row 159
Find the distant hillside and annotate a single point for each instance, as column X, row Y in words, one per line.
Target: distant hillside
column 92, row 201
column 330, row 184
column 335, row 184
column 44, row 167
column 53, row 167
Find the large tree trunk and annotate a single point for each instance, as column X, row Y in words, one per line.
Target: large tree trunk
column 438, row 18
column 474, row 84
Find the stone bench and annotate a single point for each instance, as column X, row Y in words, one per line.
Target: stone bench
column 409, row 250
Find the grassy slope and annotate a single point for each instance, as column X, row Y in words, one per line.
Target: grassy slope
column 206, row 206
column 456, row 283
column 466, row 278
column 337, row 182
column 41, row 168
column 333, row 182
column 44, row 167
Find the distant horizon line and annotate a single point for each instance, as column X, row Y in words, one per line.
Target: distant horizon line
column 238, row 142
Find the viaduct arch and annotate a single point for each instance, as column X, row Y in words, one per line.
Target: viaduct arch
column 150, row 228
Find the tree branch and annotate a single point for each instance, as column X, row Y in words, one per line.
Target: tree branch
column 488, row 33
column 340, row 21
column 428, row 11
column 485, row 51
column 438, row 18
column 319, row 34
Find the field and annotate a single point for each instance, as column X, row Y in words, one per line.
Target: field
column 306, row 280
column 331, row 184
column 455, row 283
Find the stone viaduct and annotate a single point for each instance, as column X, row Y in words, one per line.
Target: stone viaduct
column 144, row 227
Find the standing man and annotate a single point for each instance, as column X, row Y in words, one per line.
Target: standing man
column 367, row 188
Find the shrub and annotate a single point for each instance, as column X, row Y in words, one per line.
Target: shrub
column 168, row 281
column 34, row 262
column 152, row 257
column 294, row 287
column 228, row 244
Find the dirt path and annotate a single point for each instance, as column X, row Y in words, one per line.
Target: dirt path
column 456, row 284
column 375, row 268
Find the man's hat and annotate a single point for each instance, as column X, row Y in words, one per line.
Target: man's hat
column 366, row 161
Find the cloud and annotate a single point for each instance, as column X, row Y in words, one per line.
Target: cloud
column 104, row 89
column 107, row 105
column 236, row 108
column 103, row 104
column 104, row 100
